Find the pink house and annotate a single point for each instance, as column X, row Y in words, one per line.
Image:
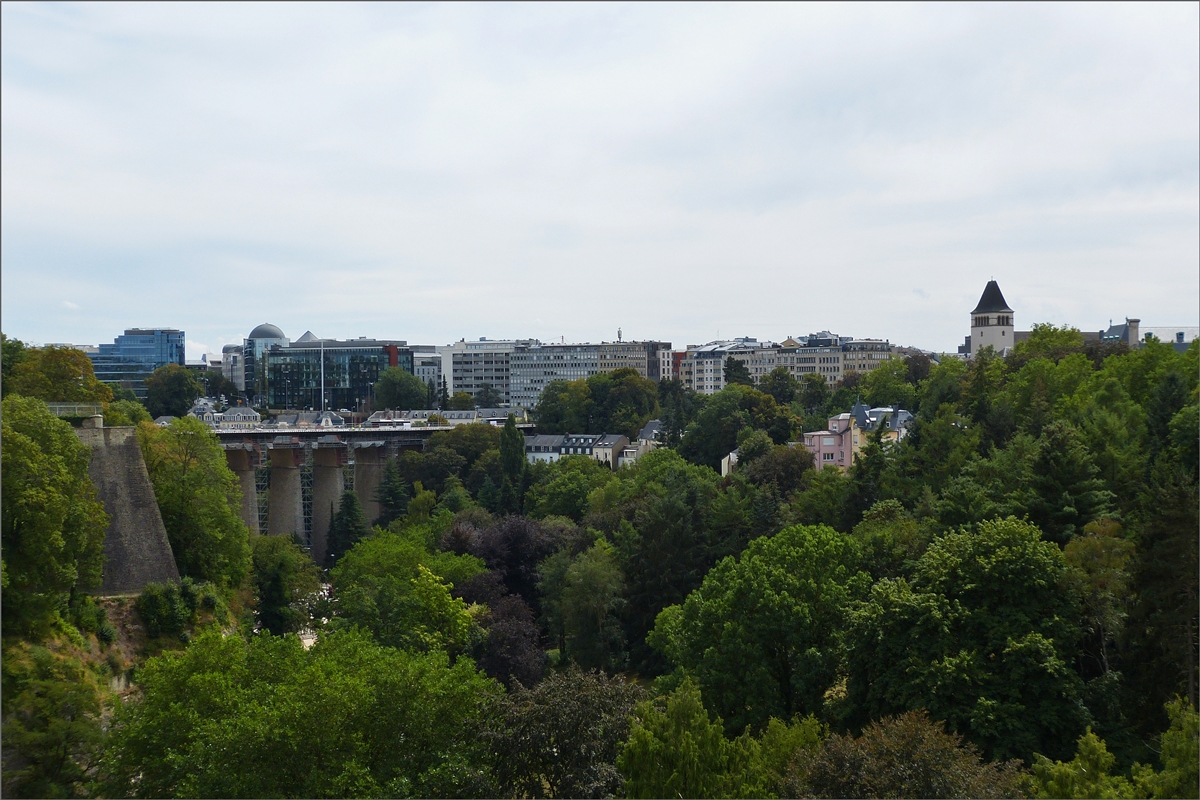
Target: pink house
column 839, row 445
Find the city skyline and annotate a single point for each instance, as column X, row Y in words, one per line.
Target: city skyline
column 685, row 173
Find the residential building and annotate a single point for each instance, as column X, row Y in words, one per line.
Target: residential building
column 848, row 433
column 864, row 355
column 1180, row 336
column 544, row 447
column 702, row 367
column 640, row 356
column 134, row 355
column 609, row 449
column 316, row 374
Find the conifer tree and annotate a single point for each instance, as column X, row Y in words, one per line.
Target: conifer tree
column 347, row 529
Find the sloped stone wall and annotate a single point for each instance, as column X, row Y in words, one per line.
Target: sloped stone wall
column 136, row 547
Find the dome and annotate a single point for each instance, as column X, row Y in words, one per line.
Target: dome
column 266, row 331
column 231, row 348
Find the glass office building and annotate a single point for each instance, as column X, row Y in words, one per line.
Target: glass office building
column 134, row 355
column 294, row 378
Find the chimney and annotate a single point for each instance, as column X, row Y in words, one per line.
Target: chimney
column 1133, row 337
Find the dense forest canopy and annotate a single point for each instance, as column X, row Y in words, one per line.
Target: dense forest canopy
column 1003, row 602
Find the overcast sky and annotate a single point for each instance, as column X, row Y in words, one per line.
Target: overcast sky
column 683, row 172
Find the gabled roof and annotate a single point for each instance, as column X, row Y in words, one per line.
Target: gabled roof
column 992, row 300
column 306, row 338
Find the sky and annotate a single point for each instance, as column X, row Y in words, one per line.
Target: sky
column 680, row 172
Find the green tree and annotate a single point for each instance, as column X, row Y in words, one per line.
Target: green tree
column 814, row 393
column 590, row 601
column 561, row 738
column 761, row 634
column 461, row 401
column 125, row 413
column 392, row 494
column 1046, row 341
column 566, row 487
column 391, row 585
column 284, row 578
column 443, row 395
column 736, row 371
column 904, row 756
column 14, row 352
column 676, row 750
column 346, row 718
column 469, row 441
column 512, row 464
column 347, row 528
column 714, row 432
column 983, row 637
column 1100, row 560
column 53, row 522
column 780, row 384
column 622, row 402
column 198, row 496
column 52, row 731
column 171, row 390
column 888, row 385
column 400, row 389
column 1087, row 775
column 488, row 396
column 56, row 374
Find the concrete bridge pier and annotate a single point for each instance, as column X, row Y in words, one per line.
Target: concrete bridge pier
column 328, row 485
column 368, row 474
column 285, row 516
column 242, row 464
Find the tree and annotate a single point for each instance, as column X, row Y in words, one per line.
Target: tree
column 461, row 401
column 561, row 738
column 1066, row 490
column 399, row 389
column 55, row 374
column 676, row 750
column 761, row 632
column 888, row 385
column 51, row 723
column 392, row 586
column 53, row 522
column 512, row 463
column 284, row 578
column 487, row 396
column 982, row 637
column 511, row 649
column 736, row 371
column 392, row 494
column 14, row 352
column 814, row 393
column 1087, row 775
column 469, row 441
column 171, row 391
column 347, row 528
column 443, row 395
column 590, row 602
column 344, row 718
column 904, row 756
column 1099, row 561
column 198, row 496
column 714, row 432
column 125, row 413
column 622, row 402
column 780, row 384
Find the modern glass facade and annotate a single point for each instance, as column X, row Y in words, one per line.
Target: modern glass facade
column 134, row 355
column 351, row 370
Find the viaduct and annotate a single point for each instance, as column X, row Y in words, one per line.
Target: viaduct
column 292, row 479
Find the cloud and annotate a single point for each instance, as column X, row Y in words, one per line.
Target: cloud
column 196, row 350
column 70, row 305
column 438, row 172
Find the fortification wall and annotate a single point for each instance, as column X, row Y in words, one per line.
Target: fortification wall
column 136, row 547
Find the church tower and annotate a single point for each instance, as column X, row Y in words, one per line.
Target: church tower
column 991, row 321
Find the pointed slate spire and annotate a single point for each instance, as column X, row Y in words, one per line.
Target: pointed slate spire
column 992, row 300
